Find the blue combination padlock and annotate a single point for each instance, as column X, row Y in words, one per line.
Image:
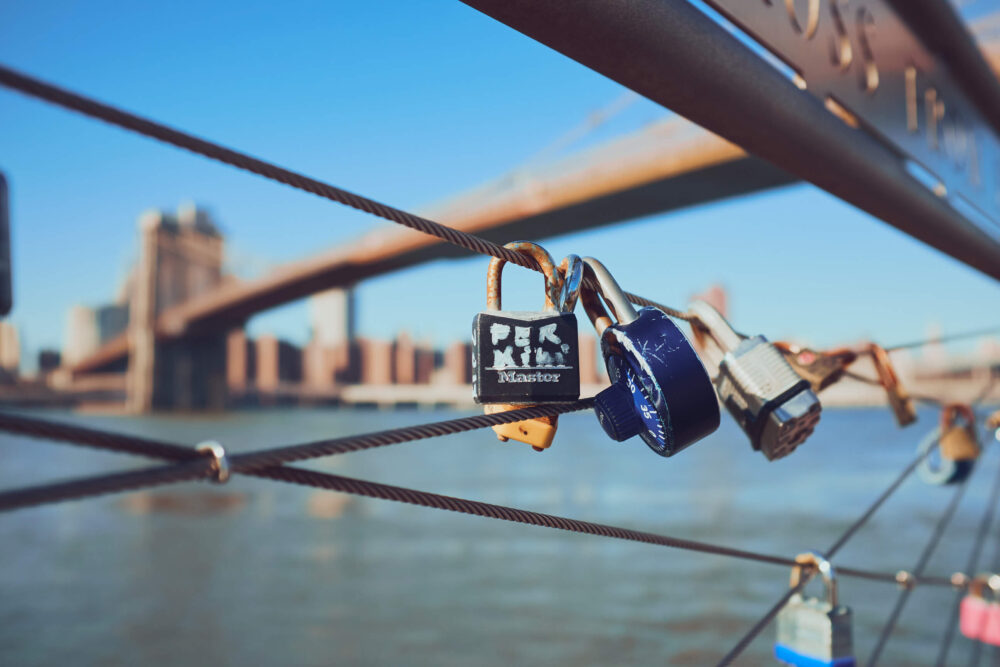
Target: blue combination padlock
column 659, row 387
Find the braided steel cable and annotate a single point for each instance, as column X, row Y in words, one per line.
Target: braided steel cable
column 977, row 547
column 204, row 469
column 759, row 626
column 863, row 519
column 154, row 130
column 944, row 339
column 276, row 456
column 63, row 432
column 86, row 487
column 81, row 435
column 771, row 613
column 918, row 570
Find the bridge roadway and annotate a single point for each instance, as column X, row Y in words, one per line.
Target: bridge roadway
column 668, row 165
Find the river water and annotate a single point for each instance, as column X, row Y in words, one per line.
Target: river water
column 259, row 572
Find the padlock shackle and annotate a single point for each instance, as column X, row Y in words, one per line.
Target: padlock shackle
column 712, row 320
column 983, row 581
column 553, row 279
column 883, row 367
column 816, row 562
column 571, row 270
column 953, row 410
column 610, row 291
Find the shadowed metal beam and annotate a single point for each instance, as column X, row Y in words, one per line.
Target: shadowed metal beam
column 675, row 55
column 943, row 32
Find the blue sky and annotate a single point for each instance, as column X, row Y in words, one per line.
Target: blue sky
column 406, row 102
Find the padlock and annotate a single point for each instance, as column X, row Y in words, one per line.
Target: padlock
column 528, row 358
column 993, row 423
column 537, row 432
column 659, row 388
column 958, row 447
column 959, row 441
column 899, row 399
column 540, row 431
column 979, row 618
column 822, row 369
column 814, row 631
column 772, row 403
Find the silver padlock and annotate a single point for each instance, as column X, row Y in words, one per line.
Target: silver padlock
column 772, row 403
column 814, row 631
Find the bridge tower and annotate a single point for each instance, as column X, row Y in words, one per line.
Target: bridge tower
column 180, row 258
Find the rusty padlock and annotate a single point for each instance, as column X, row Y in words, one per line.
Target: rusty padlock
column 822, row 369
column 958, row 447
column 958, row 442
column 899, row 399
column 556, row 370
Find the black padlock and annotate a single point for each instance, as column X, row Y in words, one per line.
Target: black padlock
column 525, row 357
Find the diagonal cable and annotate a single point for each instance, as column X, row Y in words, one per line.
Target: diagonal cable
column 970, row 566
column 89, row 107
column 918, row 570
column 759, row 626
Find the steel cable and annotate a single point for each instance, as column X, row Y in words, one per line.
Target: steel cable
column 773, row 611
column 154, row 130
column 918, row 570
column 202, row 469
column 63, row 432
column 977, row 547
column 759, row 626
column 944, row 339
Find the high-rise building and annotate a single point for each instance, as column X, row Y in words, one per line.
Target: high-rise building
column 82, row 335
column 111, row 321
column 10, row 350
column 48, row 361
column 332, row 315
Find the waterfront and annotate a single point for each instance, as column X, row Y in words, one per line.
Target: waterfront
column 264, row 573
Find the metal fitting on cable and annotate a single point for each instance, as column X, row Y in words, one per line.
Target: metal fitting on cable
column 906, row 580
column 960, row 581
column 220, row 464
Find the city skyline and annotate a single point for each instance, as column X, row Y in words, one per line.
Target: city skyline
column 807, row 266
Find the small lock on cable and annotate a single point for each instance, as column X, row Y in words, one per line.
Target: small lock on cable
column 821, row 369
column 659, row 388
column 814, row 631
column 979, row 618
column 958, row 447
column 528, row 358
column 899, row 399
column 774, row 405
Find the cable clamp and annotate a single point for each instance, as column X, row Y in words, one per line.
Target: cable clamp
column 220, row 463
column 906, row 580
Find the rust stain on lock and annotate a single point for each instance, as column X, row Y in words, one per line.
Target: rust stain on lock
column 899, row 398
column 958, row 442
column 540, row 431
column 553, row 279
column 820, row 368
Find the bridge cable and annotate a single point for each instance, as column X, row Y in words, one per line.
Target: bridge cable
column 757, row 627
column 976, row 333
column 80, row 435
column 918, row 570
column 149, row 128
column 985, row 522
column 773, row 611
column 195, row 466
